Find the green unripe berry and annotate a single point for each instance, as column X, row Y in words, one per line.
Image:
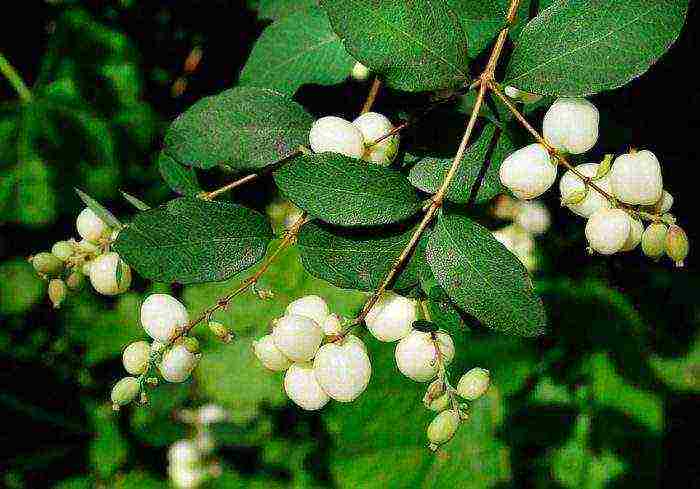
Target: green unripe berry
column 474, row 384
column 443, row 428
column 220, row 331
column 135, row 357
column 57, row 292
column 676, row 245
column 62, row 250
column 192, row 344
column 440, row 404
column 46, row 263
column 654, row 240
column 125, row 391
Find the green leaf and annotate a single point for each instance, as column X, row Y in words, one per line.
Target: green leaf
column 298, row 49
column 483, row 277
column 355, row 260
column 99, row 209
column 346, row 191
column 135, row 201
column 440, row 308
column 582, row 47
column 243, row 128
column 277, row 9
column 414, row 45
column 189, row 240
column 492, row 147
column 182, row 179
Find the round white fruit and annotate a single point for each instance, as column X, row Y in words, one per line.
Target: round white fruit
column 163, row 317
column 571, row 186
column 310, row 306
column 474, row 384
column 443, row 427
column 332, row 325
column 336, row 135
column 416, row 355
column 635, row 235
column 665, row 203
column 90, row 226
column 343, row 369
column 302, row 387
column 178, row 363
column 528, row 172
column 607, row 230
column 373, row 126
column 297, row 337
column 392, row 317
column 135, row 357
column 635, row 178
column 103, row 274
column 269, row 355
column 184, row 452
column 360, row 72
column 533, row 217
column 571, row 125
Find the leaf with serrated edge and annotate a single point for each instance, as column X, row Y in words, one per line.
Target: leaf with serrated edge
column 355, row 259
column 415, row 45
column 99, row 209
column 482, row 277
column 346, row 191
column 298, row 49
column 244, row 128
column 582, row 47
column 189, row 240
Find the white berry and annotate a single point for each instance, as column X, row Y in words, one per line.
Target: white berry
column 332, row 325
column 297, row 337
column 90, row 226
column 343, row 369
column 572, row 186
column 163, row 317
column 135, row 357
column 474, row 384
column 373, row 126
column 635, row 235
column 269, row 355
column 103, row 274
column 392, row 317
column 416, row 355
column 528, row 172
column 607, row 230
column 178, row 363
column 310, row 306
column 336, row 135
column 665, row 203
column 360, row 72
column 533, row 217
column 302, row 387
column 185, row 476
column 524, row 97
column 571, row 125
column 520, row 243
column 184, row 452
column 443, row 428
column 635, row 178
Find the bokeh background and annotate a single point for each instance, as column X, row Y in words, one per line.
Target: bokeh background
column 608, row 399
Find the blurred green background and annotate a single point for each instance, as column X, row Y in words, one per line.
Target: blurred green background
column 608, row 399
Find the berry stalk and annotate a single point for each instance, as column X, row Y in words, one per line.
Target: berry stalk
column 14, row 78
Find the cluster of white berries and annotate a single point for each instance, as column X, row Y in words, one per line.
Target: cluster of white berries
column 356, row 139
column 613, row 195
column 69, row 262
column 190, row 460
column 530, row 218
column 339, row 369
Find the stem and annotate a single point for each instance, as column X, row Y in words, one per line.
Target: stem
column 15, row 79
column 372, row 96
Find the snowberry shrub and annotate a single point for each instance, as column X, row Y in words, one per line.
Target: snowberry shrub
column 528, row 172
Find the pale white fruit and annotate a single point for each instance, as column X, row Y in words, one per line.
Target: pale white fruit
column 178, row 363
column 336, row 135
column 524, row 97
column 184, row 452
column 310, row 306
column 374, row 126
column 332, row 325
column 343, row 369
column 635, row 178
column 186, row 477
column 360, row 72
column 297, row 337
column 125, row 391
column 103, row 274
column 443, row 428
column 635, row 235
column 520, row 243
column 163, row 316
column 607, row 230
column 533, row 217
column 528, row 172
column 90, row 226
column 392, row 317
column 269, row 355
column 302, row 387
column 474, row 384
column 211, row 413
column 571, row 125
column 135, row 357
column 416, row 356
column 571, row 185
column 666, row 202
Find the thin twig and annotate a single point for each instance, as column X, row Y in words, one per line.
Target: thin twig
column 15, row 79
column 372, row 96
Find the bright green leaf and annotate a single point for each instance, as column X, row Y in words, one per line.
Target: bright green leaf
column 99, row 209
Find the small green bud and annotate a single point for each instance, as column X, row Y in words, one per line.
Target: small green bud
column 360, row 72
column 474, row 384
column 75, row 280
column 136, row 356
column 57, row 292
column 654, row 240
column 677, row 244
column 46, row 263
column 125, row 391
column 192, row 344
column 440, row 404
column 220, row 331
column 443, row 428
column 62, row 250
